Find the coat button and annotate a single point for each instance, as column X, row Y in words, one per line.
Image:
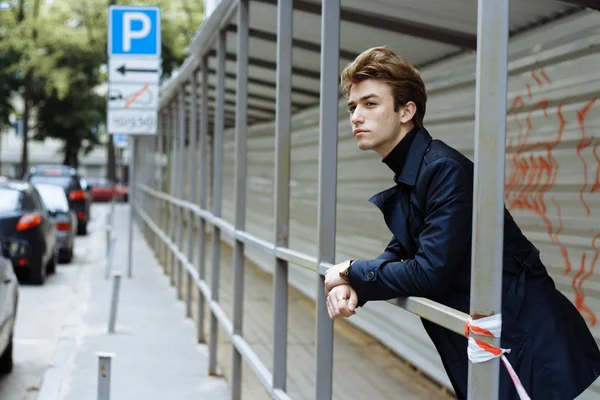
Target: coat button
column 370, row 275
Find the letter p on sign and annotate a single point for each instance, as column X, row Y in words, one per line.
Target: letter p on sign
column 128, row 31
column 134, row 31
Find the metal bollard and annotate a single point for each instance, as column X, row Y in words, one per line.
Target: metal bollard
column 114, row 302
column 109, row 257
column 110, row 223
column 108, row 239
column 104, row 369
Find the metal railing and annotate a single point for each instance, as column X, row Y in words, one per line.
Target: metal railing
column 163, row 214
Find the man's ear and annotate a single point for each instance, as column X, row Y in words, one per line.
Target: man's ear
column 408, row 111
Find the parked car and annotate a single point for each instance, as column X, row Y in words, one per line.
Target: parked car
column 9, row 295
column 28, row 232
column 104, row 190
column 73, row 185
column 62, row 216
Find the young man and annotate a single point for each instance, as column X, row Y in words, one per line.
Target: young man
column 429, row 212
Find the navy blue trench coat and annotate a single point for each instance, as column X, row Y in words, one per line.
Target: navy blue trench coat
column 429, row 212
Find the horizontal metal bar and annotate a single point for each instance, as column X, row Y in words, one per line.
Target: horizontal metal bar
column 261, row 371
column 221, row 317
column 430, row 310
column 296, row 257
column 323, row 267
column 279, row 394
column 252, row 240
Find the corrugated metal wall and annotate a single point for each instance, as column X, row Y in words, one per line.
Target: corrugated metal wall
column 553, row 174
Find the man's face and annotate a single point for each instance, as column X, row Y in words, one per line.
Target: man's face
column 375, row 124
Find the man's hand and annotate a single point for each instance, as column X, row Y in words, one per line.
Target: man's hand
column 341, row 302
column 333, row 278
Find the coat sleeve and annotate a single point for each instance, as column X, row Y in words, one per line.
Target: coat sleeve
column 444, row 241
column 392, row 252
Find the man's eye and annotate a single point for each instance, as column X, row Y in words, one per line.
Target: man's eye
column 370, row 104
column 351, row 109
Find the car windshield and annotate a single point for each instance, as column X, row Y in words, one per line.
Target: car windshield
column 53, row 196
column 62, row 181
column 10, row 199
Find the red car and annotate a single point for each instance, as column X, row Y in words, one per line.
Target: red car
column 104, row 190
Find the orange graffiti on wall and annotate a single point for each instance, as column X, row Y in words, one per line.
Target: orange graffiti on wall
column 532, row 172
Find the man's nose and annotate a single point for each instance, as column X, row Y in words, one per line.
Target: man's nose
column 357, row 117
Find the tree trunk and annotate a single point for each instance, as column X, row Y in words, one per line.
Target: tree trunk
column 25, row 151
column 110, row 148
column 110, row 168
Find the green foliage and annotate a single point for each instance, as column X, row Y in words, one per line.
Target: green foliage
column 54, row 53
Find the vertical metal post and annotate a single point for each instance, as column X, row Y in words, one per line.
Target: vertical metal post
column 217, row 193
column 180, row 176
column 162, row 150
column 104, row 370
column 114, row 302
column 132, row 190
column 239, row 195
column 328, row 133
column 109, row 258
column 192, row 182
column 203, row 196
column 173, row 189
column 283, row 127
column 488, row 193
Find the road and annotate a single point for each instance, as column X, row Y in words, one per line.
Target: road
column 42, row 312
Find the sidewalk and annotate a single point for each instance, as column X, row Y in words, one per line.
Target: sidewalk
column 156, row 355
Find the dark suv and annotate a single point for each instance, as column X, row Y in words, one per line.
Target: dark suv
column 73, row 185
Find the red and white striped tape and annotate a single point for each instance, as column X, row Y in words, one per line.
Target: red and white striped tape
column 480, row 351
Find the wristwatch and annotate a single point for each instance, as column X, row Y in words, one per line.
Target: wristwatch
column 345, row 267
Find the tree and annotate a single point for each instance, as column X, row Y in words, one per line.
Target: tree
column 57, row 52
column 31, row 69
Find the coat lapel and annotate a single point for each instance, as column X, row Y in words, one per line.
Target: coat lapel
column 395, row 207
column 394, row 202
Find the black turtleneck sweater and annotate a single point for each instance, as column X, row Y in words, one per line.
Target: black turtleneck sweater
column 395, row 160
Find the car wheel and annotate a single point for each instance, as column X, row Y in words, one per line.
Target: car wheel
column 51, row 268
column 67, row 256
column 82, row 228
column 6, row 360
column 38, row 276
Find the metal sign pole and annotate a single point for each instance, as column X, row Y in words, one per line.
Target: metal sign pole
column 131, row 200
column 134, row 53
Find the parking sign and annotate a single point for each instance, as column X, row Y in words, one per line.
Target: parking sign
column 134, row 43
column 120, row 140
column 134, row 31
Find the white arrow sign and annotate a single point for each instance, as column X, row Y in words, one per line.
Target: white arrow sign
column 127, row 70
column 132, row 96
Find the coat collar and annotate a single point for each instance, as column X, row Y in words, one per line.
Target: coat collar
column 410, row 169
column 408, row 174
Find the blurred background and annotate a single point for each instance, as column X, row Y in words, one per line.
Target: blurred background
column 53, row 81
